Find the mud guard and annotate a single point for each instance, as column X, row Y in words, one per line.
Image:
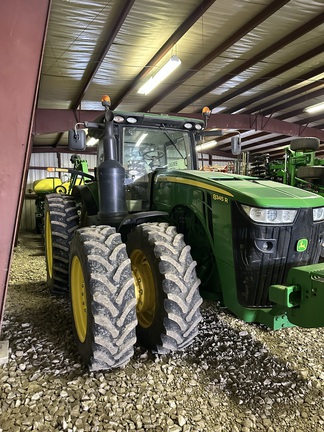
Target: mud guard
column 134, row 219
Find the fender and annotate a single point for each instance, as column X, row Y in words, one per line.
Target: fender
column 135, row 219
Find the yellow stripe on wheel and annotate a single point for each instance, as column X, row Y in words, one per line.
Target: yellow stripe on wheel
column 79, row 299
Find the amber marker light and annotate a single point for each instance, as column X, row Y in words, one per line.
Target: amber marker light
column 51, row 169
column 206, row 111
column 105, row 100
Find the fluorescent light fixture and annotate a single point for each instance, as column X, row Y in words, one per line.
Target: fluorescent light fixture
column 206, row 146
column 165, row 71
column 315, row 108
column 141, row 139
column 92, row 141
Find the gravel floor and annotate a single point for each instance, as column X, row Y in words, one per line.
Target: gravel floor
column 235, row 377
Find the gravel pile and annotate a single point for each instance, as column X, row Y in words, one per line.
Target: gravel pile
column 235, row 377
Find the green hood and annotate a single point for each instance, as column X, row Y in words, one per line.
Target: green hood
column 247, row 190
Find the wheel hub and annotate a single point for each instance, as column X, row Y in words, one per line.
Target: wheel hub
column 49, row 245
column 144, row 288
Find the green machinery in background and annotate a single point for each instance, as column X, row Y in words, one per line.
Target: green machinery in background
column 48, row 185
column 138, row 246
column 299, row 167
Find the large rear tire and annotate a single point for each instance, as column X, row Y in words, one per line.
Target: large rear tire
column 311, row 172
column 61, row 220
column 166, row 287
column 304, row 144
column 102, row 298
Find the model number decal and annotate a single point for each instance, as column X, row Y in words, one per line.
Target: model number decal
column 220, row 198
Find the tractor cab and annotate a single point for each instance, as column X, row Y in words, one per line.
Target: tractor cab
column 131, row 147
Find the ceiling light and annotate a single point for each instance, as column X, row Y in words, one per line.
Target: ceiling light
column 165, row 71
column 206, row 146
column 315, row 108
column 141, row 139
column 92, row 141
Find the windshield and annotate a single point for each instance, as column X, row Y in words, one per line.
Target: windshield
column 145, row 149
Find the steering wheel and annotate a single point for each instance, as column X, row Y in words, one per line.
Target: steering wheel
column 149, row 156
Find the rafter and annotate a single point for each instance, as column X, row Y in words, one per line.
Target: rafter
column 176, row 36
column 246, row 28
column 296, row 34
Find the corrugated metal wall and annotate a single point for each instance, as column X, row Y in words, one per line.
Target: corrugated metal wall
column 220, row 162
column 37, row 170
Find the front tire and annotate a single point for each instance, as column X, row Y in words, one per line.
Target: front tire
column 61, row 220
column 166, row 287
column 102, row 298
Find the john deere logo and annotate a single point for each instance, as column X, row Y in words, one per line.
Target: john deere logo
column 302, row 245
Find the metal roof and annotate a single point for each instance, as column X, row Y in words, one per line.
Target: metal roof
column 256, row 63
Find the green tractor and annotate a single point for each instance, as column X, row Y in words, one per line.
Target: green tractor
column 299, row 167
column 42, row 187
column 138, row 247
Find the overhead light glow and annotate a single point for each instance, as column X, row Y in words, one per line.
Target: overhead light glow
column 206, row 146
column 165, row 71
column 141, row 139
column 315, row 108
column 92, row 141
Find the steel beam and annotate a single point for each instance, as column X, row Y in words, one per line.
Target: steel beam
column 51, row 121
column 22, row 35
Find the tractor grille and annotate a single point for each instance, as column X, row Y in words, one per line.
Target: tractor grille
column 263, row 255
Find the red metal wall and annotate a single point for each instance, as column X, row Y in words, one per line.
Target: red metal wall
column 22, row 35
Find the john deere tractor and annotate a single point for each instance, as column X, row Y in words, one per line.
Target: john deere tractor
column 137, row 247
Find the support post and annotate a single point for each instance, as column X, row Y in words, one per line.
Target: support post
column 22, row 35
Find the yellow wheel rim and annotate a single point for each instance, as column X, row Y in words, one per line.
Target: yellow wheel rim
column 144, row 288
column 49, row 245
column 79, row 299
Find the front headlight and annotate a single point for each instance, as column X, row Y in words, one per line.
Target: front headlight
column 270, row 216
column 318, row 214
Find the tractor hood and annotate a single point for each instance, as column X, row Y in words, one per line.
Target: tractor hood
column 252, row 191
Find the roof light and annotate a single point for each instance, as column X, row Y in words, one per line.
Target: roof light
column 188, row 125
column 165, row 71
column 105, row 100
column 119, row 119
column 206, row 110
column 198, row 126
column 131, row 120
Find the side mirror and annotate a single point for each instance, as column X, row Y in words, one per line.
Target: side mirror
column 236, row 145
column 77, row 139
